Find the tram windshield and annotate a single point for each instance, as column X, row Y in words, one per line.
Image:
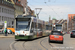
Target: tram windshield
column 59, row 27
column 22, row 25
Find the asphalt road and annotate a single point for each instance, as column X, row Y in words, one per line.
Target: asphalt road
column 5, row 43
column 37, row 44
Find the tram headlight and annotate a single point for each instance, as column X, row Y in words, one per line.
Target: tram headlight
column 23, row 31
column 25, row 34
column 16, row 33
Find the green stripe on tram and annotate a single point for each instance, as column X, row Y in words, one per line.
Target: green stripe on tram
column 25, row 37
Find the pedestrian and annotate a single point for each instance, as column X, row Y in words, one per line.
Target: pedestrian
column 5, row 31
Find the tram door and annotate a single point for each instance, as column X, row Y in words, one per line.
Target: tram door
column 33, row 29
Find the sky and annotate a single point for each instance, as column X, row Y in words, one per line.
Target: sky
column 58, row 9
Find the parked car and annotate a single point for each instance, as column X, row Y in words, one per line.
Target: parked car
column 9, row 31
column 56, row 36
column 12, row 30
column 72, row 34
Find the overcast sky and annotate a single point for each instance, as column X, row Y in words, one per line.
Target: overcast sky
column 58, row 9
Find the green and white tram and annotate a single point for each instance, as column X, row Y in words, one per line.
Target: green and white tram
column 28, row 27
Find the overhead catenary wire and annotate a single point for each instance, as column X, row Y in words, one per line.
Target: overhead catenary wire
column 37, row 2
column 46, row 5
column 49, row 7
column 31, row 4
column 53, row 10
column 35, row 7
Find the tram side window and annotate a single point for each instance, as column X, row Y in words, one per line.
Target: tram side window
column 33, row 27
column 44, row 27
column 47, row 27
column 50, row 28
column 40, row 27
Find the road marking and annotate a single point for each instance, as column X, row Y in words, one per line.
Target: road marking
column 54, row 46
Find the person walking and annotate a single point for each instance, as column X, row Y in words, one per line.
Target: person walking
column 5, row 31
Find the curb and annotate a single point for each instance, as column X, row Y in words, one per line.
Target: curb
column 7, row 36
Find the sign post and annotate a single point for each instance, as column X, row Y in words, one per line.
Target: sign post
column 5, row 25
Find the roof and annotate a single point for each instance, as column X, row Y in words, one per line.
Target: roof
column 54, row 18
column 18, row 4
column 21, row 16
column 7, row 4
column 58, row 24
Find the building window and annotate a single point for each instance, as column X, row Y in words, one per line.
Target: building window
column 3, row 18
column 74, row 17
column 8, row 11
column 12, row 22
column 0, row 9
column 8, row 0
column 5, row 10
column 13, row 12
column 8, row 18
column 0, row 18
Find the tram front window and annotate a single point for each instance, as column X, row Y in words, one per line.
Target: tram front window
column 59, row 27
column 22, row 25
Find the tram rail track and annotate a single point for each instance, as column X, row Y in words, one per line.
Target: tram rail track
column 24, row 45
column 49, row 44
column 42, row 45
column 12, row 45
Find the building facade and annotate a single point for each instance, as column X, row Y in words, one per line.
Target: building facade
column 18, row 7
column 24, row 4
column 6, row 13
column 64, row 24
column 71, row 22
column 26, row 9
column 53, row 21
